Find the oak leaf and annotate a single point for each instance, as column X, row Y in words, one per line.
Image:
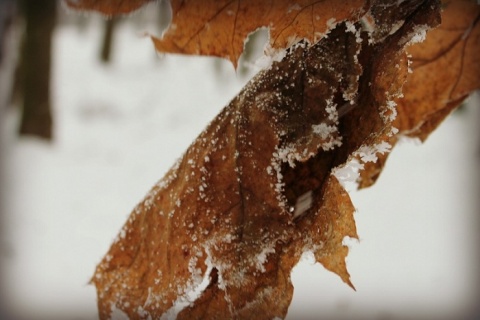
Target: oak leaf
column 218, row 236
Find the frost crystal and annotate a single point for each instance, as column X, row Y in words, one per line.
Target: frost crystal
column 192, row 290
column 331, row 23
column 324, row 130
column 279, row 185
column 368, row 153
column 270, row 56
column 262, row 257
column 419, row 35
column 349, row 173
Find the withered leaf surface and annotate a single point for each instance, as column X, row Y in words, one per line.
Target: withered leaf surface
column 220, row 27
column 223, row 229
column 445, row 69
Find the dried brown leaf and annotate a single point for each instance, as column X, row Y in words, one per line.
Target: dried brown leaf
column 445, row 69
column 220, row 28
column 223, row 229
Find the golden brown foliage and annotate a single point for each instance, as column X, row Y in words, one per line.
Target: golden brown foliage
column 445, row 68
column 219, row 28
column 260, row 186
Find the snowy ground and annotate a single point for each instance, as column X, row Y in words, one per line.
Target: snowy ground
column 119, row 128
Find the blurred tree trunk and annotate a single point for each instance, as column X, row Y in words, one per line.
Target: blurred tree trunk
column 36, row 67
column 8, row 53
column 108, row 35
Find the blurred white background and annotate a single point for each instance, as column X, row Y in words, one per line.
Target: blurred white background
column 119, row 127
